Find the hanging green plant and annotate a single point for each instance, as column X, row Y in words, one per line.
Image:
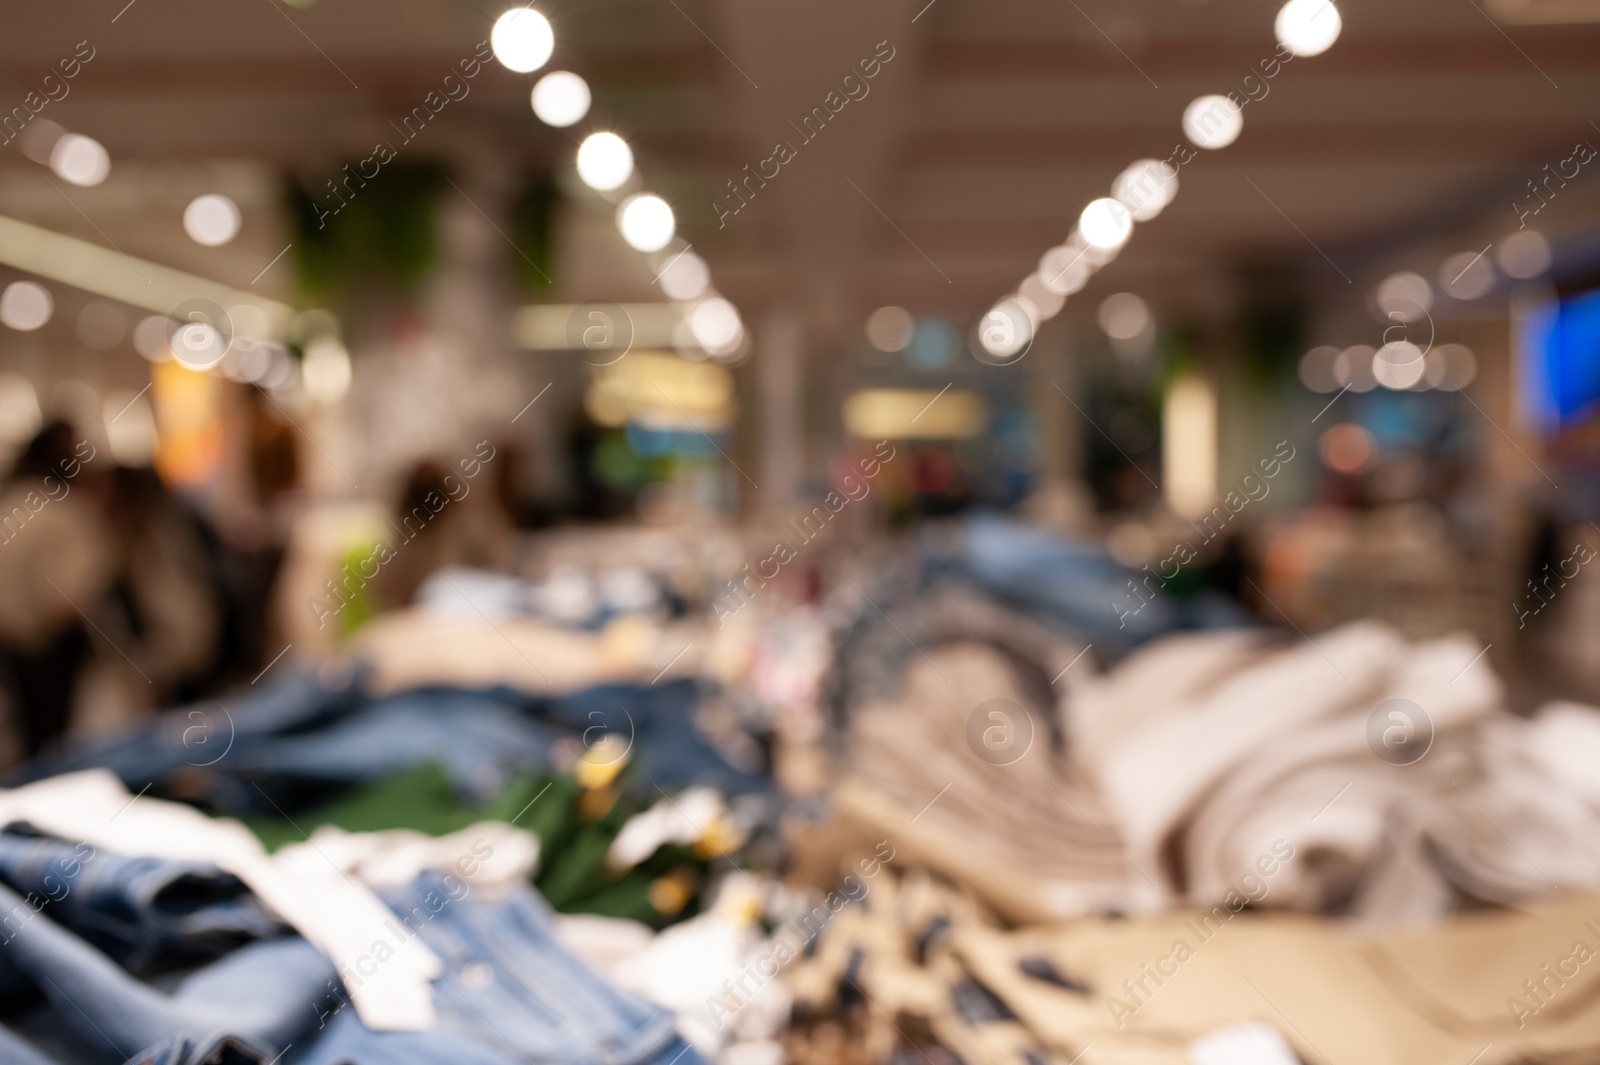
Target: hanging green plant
column 533, row 223
column 358, row 232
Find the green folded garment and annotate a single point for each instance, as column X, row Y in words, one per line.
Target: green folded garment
column 572, row 873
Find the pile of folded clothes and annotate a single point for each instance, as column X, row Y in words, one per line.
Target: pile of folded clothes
column 1390, row 766
column 577, row 820
column 1164, row 779
column 1238, row 845
column 140, row 930
column 919, row 971
column 312, row 736
column 386, row 886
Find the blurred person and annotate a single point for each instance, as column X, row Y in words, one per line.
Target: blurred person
column 274, row 457
column 57, row 562
column 443, row 519
column 165, row 605
column 252, row 538
column 511, row 487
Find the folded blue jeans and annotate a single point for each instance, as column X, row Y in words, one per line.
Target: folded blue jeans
column 1076, row 584
column 286, row 747
column 193, row 739
column 137, row 910
column 509, row 993
column 265, row 993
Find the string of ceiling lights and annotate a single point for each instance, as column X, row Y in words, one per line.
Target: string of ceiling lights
column 1303, row 28
column 523, row 41
column 1404, row 301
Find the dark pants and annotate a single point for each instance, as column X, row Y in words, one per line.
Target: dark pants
column 41, row 684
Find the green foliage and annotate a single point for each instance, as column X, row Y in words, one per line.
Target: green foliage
column 533, row 222
column 1272, row 330
column 384, row 233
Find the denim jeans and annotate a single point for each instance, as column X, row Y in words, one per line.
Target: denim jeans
column 287, row 747
column 266, row 993
column 1076, row 584
column 14, row 1051
column 137, row 910
column 194, row 738
column 510, row 993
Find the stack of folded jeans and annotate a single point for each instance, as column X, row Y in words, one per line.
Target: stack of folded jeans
column 507, row 991
column 311, row 735
column 1074, row 583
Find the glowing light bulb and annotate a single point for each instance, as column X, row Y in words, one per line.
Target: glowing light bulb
column 1307, row 27
column 80, row 160
column 522, row 40
column 1106, row 223
column 26, row 306
column 604, row 161
column 211, row 220
column 561, row 99
column 646, row 222
column 1212, row 121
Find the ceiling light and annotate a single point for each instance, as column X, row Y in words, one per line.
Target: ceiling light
column 646, row 222
column 715, row 324
column 1398, row 365
column 1006, row 331
column 114, row 275
column 1316, row 369
column 211, row 220
column 1404, row 296
column 561, row 98
column 522, row 40
column 80, row 160
column 1352, row 368
column 1048, row 301
column 1451, row 367
column 198, row 345
column 26, row 306
column 1307, row 27
column 1146, row 187
column 1124, row 316
column 685, row 278
column 1524, row 254
column 150, row 338
column 1212, row 121
column 1064, row 269
column 604, row 161
column 1467, row 275
column 1105, row 223
column 890, row 328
